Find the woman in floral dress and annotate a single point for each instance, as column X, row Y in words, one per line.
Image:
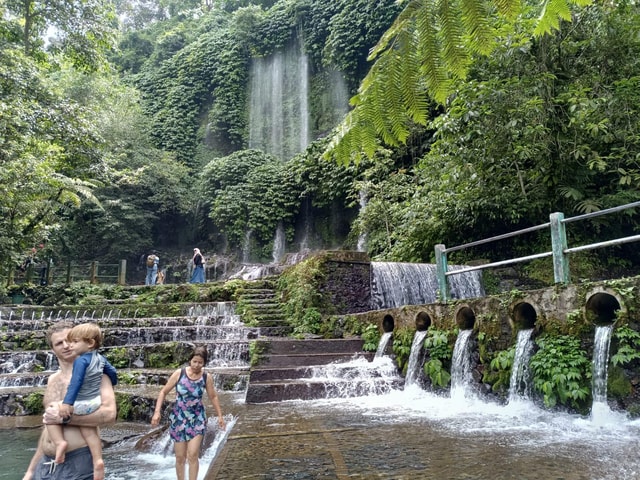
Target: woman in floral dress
column 188, row 419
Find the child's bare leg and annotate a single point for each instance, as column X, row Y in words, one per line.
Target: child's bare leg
column 57, row 437
column 92, row 437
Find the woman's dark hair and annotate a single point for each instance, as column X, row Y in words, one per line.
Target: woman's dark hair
column 200, row 352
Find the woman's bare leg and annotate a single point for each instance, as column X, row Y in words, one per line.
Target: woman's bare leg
column 181, row 457
column 193, row 456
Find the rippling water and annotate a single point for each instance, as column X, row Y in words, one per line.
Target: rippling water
column 407, row 434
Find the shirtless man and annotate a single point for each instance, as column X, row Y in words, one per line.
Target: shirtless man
column 78, row 464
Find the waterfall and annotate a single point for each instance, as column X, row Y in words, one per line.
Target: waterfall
column 356, row 378
column 279, row 243
column 303, row 101
column 461, row 365
column 600, row 409
column 279, row 102
column 362, row 238
column 382, row 345
column 246, row 246
column 305, row 225
column 415, row 357
column 395, row 284
column 519, row 383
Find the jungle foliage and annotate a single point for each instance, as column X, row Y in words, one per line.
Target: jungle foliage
column 135, row 135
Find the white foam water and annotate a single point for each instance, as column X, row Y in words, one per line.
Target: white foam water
column 121, row 464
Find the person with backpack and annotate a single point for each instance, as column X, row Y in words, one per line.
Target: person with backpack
column 152, row 269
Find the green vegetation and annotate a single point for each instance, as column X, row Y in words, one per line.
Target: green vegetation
column 130, row 130
column 628, row 343
column 33, row 403
column 371, row 336
column 300, row 297
column 402, row 340
column 498, row 375
column 440, row 352
column 118, row 357
column 562, row 372
column 123, row 405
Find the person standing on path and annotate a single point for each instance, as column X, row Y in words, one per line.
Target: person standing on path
column 198, row 267
column 152, row 269
column 188, row 419
column 78, row 463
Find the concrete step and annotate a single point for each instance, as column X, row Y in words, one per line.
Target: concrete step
column 281, row 330
column 306, row 360
column 311, row 346
column 270, row 317
column 260, row 392
column 297, row 373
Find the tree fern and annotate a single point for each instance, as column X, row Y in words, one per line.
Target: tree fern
column 429, row 46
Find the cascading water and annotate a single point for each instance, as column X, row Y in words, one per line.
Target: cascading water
column 279, row 103
column 461, row 365
column 395, row 284
column 246, row 246
column 356, row 378
column 413, row 365
column 519, row 383
column 383, row 343
column 279, row 243
column 123, row 462
column 600, row 411
column 362, row 238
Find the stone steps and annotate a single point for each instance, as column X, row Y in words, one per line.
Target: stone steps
column 145, row 348
column 36, row 340
column 139, row 355
column 308, row 390
column 262, row 308
column 275, row 346
column 289, row 369
column 308, row 360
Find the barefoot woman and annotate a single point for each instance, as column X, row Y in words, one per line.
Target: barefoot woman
column 188, row 417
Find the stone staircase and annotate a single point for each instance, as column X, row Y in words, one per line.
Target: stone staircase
column 289, row 369
column 260, row 308
column 144, row 343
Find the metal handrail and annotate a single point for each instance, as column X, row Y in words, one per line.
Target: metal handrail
column 602, row 212
column 498, row 264
column 497, row 237
column 560, row 249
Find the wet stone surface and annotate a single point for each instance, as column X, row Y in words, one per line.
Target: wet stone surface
column 311, row 440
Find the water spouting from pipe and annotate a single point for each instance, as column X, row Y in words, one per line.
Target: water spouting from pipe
column 414, row 366
column 520, row 381
column 461, row 365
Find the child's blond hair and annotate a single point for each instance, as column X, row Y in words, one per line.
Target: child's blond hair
column 86, row 332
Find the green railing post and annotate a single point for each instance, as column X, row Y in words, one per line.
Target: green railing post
column 69, row 276
column 93, row 273
column 558, row 246
column 441, row 269
column 122, row 272
column 28, row 277
column 49, row 277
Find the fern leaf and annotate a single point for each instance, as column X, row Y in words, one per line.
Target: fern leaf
column 552, row 12
column 454, row 55
column 477, row 25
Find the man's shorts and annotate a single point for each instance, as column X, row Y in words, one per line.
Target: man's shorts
column 78, row 465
